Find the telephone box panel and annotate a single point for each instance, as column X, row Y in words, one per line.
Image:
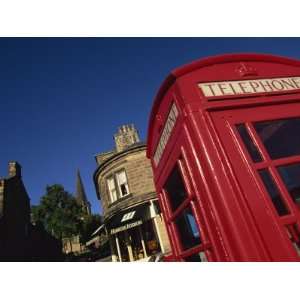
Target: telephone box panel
column 223, row 139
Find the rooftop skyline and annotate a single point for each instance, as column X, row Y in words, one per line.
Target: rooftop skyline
column 63, row 99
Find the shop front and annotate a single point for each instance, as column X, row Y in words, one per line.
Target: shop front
column 134, row 234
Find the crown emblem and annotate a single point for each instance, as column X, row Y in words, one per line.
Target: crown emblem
column 246, row 70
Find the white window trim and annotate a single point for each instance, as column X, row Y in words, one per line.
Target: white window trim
column 119, row 184
column 112, row 200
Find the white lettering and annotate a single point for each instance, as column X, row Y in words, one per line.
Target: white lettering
column 125, row 227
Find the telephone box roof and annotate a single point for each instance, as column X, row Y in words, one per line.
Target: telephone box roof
column 204, row 62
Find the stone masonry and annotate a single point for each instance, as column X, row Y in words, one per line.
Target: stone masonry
column 129, row 155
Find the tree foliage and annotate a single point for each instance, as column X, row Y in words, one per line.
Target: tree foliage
column 62, row 216
column 89, row 225
column 59, row 212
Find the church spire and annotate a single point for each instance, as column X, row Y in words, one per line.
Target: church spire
column 80, row 196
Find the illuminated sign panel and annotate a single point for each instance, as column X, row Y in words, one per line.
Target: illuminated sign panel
column 248, row 87
column 170, row 123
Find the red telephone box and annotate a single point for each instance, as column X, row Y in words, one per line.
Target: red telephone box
column 224, row 143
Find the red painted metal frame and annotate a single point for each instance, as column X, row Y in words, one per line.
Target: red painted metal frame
column 233, row 212
column 264, row 214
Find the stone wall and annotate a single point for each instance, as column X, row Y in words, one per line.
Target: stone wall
column 139, row 175
column 129, row 155
column 162, row 231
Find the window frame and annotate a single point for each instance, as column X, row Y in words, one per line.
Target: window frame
column 119, row 185
column 114, row 176
column 248, row 117
column 111, row 177
column 189, row 202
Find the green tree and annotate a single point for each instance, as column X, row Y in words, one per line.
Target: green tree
column 58, row 212
column 89, row 225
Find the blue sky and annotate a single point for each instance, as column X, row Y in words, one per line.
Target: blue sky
column 62, row 99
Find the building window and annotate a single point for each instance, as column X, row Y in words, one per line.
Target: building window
column 150, row 237
column 118, row 186
column 112, row 189
column 122, row 183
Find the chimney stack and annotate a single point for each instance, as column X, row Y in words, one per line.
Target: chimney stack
column 126, row 136
column 14, row 169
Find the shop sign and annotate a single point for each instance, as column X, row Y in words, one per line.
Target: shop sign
column 170, row 123
column 128, row 216
column 248, row 87
column 125, row 227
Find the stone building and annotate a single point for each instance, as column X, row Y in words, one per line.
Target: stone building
column 14, row 216
column 72, row 245
column 124, row 183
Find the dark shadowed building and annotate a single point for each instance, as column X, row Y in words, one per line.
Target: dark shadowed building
column 14, row 215
column 19, row 239
column 43, row 246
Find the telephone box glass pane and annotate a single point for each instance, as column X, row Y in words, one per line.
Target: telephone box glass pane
column 291, row 176
column 196, row 257
column 273, row 192
column 187, row 229
column 252, row 149
column 175, row 188
column 280, row 137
